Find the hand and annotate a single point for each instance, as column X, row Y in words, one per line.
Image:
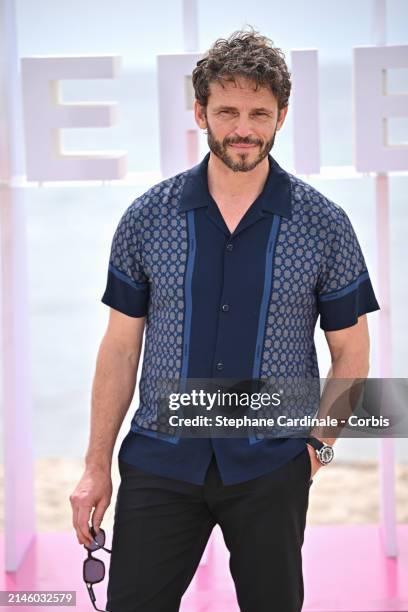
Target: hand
column 94, row 490
column 315, row 463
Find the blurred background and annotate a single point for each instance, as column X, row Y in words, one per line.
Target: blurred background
column 70, row 228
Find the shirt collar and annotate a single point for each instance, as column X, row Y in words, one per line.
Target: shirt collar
column 275, row 196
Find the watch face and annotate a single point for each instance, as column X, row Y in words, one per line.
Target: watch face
column 326, row 454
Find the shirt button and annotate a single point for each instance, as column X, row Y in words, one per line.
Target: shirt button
column 220, row 365
column 230, row 246
column 225, row 307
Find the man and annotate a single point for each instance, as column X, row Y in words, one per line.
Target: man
column 228, row 266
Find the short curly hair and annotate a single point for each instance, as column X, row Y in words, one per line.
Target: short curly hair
column 247, row 54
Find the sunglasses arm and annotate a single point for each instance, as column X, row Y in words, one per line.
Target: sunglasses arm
column 92, row 596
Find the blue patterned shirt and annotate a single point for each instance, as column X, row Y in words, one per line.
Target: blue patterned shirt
column 240, row 306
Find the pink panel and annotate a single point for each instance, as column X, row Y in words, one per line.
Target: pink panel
column 344, row 568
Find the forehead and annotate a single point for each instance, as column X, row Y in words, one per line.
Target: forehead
column 240, row 92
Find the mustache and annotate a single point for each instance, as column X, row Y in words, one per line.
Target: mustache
column 246, row 140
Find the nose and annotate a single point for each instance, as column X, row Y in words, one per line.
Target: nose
column 242, row 127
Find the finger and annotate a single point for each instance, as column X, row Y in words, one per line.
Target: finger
column 84, row 513
column 75, row 517
column 75, row 520
column 98, row 514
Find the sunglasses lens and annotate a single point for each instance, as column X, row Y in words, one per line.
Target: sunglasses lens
column 94, row 570
column 98, row 540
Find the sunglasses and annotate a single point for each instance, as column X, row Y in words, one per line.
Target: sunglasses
column 94, row 569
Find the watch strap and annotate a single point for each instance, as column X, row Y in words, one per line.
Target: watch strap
column 317, row 444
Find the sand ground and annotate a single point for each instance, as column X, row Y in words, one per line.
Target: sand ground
column 340, row 493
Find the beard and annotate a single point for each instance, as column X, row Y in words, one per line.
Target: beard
column 220, row 149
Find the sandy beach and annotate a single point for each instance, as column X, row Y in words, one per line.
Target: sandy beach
column 341, row 493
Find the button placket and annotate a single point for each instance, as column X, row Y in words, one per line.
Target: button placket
column 225, row 306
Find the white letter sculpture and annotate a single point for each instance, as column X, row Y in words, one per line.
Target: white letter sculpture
column 45, row 116
column 373, row 106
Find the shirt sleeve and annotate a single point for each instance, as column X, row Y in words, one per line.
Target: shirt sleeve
column 344, row 290
column 127, row 286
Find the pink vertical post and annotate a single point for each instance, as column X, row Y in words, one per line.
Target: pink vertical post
column 18, row 446
column 387, row 459
column 190, row 26
column 190, row 43
column 305, row 111
column 387, row 467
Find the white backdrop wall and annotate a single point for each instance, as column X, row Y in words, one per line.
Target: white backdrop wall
column 70, row 228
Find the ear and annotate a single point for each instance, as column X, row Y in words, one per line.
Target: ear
column 282, row 115
column 199, row 115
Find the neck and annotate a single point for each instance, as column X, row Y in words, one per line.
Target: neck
column 227, row 184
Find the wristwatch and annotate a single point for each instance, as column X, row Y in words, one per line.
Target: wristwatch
column 324, row 452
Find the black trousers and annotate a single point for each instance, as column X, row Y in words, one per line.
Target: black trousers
column 161, row 528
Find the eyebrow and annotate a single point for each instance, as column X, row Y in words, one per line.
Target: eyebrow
column 261, row 108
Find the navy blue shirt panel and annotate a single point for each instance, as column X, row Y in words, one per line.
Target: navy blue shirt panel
column 189, row 459
column 241, row 305
column 224, row 301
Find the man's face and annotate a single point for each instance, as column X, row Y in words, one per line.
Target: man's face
column 241, row 123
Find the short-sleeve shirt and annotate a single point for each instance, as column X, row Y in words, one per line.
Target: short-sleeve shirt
column 240, row 305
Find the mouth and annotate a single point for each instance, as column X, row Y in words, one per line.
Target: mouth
column 241, row 146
